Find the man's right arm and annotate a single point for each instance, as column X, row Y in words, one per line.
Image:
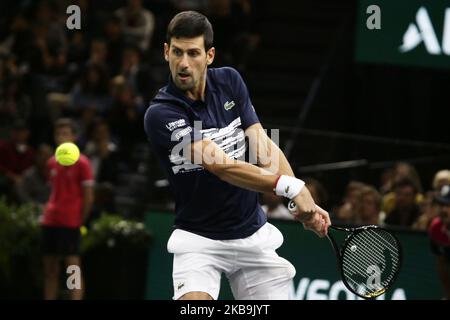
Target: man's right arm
column 170, row 130
column 245, row 175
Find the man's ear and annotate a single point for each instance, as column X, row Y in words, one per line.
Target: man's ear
column 210, row 55
column 166, row 51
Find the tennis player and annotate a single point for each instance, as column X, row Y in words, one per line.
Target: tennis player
column 197, row 125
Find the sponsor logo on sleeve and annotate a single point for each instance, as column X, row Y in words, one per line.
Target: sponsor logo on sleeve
column 175, row 124
column 183, row 132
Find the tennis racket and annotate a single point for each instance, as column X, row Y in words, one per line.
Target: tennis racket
column 368, row 260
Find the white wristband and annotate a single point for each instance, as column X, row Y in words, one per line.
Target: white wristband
column 288, row 187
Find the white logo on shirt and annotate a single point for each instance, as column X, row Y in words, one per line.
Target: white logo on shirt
column 175, row 124
column 228, row 105
column 182, row 133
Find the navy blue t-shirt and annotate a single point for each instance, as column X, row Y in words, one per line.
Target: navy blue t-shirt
column 206, row 205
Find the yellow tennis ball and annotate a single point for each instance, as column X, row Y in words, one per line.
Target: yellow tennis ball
column 83, row 230
column 67, row 154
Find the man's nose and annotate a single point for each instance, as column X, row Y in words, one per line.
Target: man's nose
column 184, row 63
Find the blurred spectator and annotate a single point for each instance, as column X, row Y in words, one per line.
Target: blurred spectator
column 34, row 187
column 347, row 212
column 135, row 73
column 440, row 179
column 126, row 119
column 66, row 211
column 386, row 179
column 274, row 208
column 16, row 156
column 196, row 5
column 440, row 239
column 102, row 152
column 19, row 39
column 14, row 103
column 406, row 210
column 9, row 68
column 401, row 170
column 429, row 209
column 84, row 123
column 115, row 42
column 48, row 54
column 234, row 31
column 92, row 90
column 318, row 192
column 98, row 53
column 369, row 207
column 138, row 24
column 77, row 54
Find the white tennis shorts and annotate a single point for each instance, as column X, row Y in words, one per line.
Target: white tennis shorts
column 253, row 268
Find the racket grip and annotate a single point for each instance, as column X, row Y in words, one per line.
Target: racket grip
column 292, row 207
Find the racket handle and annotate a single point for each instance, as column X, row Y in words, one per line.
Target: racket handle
column 292, row 207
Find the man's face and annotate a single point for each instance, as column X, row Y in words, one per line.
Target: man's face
column 64, row 134
column 188, row 61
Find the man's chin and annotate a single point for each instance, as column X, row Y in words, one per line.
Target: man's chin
column 183, row 86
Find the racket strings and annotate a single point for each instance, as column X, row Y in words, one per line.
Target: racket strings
column 358, row 270
column 370, row 261
column 383, row 245
column 375, row 257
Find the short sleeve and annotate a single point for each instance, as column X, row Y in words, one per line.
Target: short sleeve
column 247, row 111
column 167, row 128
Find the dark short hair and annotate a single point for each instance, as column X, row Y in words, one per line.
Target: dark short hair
column 65, row 123
column 191, row 24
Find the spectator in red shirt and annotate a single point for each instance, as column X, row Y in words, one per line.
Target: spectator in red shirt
column 69, row 205
column 439, row 232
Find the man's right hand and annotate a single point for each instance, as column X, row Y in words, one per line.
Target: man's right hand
column 319, row 223
column 312, row 216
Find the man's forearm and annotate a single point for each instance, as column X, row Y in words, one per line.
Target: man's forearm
column 267, row 153
column 239, row 173
column 283, row 164
column 243, row 174
column 247, row 176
